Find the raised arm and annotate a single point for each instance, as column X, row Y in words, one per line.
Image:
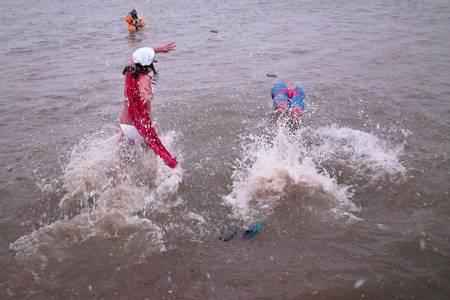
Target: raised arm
column 165, row 48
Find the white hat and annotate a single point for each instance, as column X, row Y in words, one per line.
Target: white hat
column 144, row 56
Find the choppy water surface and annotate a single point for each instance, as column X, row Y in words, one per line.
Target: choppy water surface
column 355, row 202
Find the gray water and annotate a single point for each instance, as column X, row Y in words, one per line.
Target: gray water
column 355, row 202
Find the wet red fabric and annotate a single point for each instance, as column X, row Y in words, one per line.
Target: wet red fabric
column 290, row 93
column 137, row 110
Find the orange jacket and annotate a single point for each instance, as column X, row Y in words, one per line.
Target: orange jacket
column 132, row 23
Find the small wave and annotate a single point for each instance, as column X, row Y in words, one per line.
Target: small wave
column 306, row 161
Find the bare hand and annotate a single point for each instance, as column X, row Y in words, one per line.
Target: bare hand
column 166, row 47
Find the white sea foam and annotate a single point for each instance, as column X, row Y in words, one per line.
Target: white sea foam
column 108, row 189
column 273, row 163
column 359, row 150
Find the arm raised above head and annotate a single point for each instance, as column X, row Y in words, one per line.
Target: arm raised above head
column 165, row 48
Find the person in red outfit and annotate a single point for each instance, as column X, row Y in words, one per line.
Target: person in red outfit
column 135, row 120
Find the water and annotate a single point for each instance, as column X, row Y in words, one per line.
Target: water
column 355, row 203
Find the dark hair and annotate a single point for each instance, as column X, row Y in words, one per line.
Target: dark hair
column 138, row 69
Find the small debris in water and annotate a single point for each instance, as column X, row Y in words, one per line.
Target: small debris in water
column 195, row 216
column 422, row 244
column 381, row 226
column 271, row 75
column 90, row 287
column 208, row 275
column 359, row 283
column 214, row 31
column 227, row 234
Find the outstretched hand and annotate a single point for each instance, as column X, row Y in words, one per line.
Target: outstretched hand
column 166, row 47
column 172, row 163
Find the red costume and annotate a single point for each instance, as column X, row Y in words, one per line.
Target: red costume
column 140, row 118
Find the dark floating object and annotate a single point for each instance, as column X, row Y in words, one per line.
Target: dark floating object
column 271, row 75
column 253, row 230
column 227, row 234
column 214, row 31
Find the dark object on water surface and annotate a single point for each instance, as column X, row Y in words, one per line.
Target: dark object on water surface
column 271, row 75
column 253, row 229
column 214, row 31
column 227, row 234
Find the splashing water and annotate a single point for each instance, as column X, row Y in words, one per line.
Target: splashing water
column 306, row 160
column 109, row 188
column 359, row 150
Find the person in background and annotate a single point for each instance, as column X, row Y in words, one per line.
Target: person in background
column 288, row 98
column 135, row 119
column 135, row 23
